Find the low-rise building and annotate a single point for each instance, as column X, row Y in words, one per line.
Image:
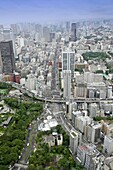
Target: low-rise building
column 54, row 139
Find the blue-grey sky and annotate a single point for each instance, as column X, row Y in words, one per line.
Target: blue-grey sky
column 12, row 11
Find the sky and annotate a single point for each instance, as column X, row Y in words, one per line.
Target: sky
column 47, row 11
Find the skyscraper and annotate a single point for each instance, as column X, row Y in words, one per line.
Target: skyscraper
column 7, row 35
column 68, row 62
column 67, row 84
column 67, row 26
column 73, row 32
column 7, row 57
column 75, row 140
column 46, row 34
column 108, row 144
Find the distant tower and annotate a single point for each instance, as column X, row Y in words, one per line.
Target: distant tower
column 73, row 32
column 7, row 57
column 68, row 62
column 67, row 84
column 67, row 26
column 46, row 34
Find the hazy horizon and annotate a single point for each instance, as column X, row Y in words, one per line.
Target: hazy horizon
column 47, row 11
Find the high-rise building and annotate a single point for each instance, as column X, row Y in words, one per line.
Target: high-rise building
column 81, row 122
column 80, row 90
column 74, row 140
column 108, row 144
column 83, row 151
column 7, row 34
column 31, row 82
column 7, row 57
column 67, row 84
column 68, row 62
column 109, row 92
column 93, row 108
column 73, row 32
column 52, row 36
column 46, row 34
column 15, row 28
column 67, row 26
column 93, row 132
column 20, row 41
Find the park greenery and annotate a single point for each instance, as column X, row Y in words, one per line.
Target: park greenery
column 99, row 118
column 13, row 139
column 54, row 158
column 5, row 88
column 4, row 85
column 95, row 56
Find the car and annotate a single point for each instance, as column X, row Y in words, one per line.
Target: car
column 27, row 144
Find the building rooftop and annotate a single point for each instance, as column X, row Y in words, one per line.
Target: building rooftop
column 73, row 134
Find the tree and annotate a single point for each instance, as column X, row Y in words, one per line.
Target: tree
column 17, row 142
column 32, row 167
column 63, row 163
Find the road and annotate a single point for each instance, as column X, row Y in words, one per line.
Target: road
column 29, row 147
column 30, row 143
column 59, row 101
column 61, row 119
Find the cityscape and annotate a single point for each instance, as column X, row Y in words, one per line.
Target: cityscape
column 56, row 86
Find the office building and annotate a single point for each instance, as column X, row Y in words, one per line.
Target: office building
column 46, row 34
column 68, row 62
column 90, row 157
column 74, row 115
column 92, row 132
column 108, row 144
column 81, row 122
column 89, row 77
column 74, row 141
column 108, row 107
column 109, row 92
column 52, row 36
column 7, row 34
column 67, row 26
column 20, row 41
column 106, row 128
column 7, row 57
column 15, row 28
column 93, row 108
column 31, row 82
column 73, row 32
column 67, row 84
column 80, row 90
column 82, row 152
column 89, row 163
